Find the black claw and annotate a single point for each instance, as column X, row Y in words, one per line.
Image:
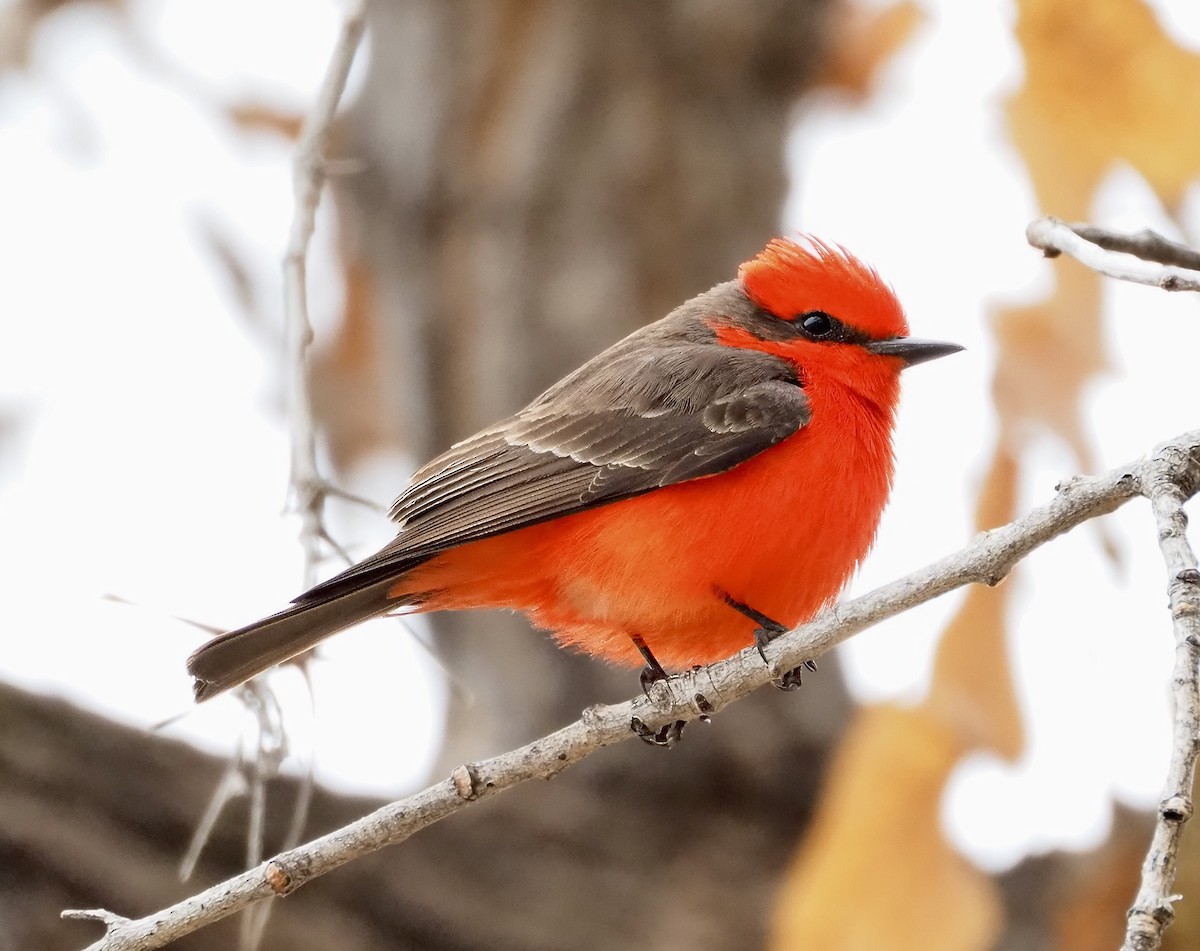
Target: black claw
column 762, row 637
column 766, row 632
column 667, row 736
column 790, row 680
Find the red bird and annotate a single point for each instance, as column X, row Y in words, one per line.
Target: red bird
column 706, row 483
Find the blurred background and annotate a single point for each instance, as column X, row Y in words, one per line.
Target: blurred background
column 515, row 185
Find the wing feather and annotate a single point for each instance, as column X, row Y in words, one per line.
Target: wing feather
column 614, row 429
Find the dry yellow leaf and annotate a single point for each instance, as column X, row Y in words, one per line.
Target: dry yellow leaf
column 1103, row 83
column 868, row 39
column 875, row 872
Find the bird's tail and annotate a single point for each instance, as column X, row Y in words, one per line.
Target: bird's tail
column 234, row 657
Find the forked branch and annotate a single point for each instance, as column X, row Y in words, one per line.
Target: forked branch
column 1142, row 258
column 1148, row 258
column 1172, row 469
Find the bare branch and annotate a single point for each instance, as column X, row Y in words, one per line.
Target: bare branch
column 1146, row 244
column 270, row 751
column 1137, row 258
column 308, row 489
column 232, row 785
column 986, row 560
column 1169, row 479
column 1168, row 485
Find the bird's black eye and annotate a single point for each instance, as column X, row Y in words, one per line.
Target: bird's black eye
column 817, row 324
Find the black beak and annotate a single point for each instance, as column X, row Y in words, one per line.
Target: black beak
column 912, row 351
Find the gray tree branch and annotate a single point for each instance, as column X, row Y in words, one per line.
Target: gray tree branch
column 1169, row 485
column 1142, row 258
column 986, row 560
column 1169, row 480
column 307, row 487
column 307, row 490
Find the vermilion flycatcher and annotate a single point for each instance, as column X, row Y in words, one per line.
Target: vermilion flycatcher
column 708, row 482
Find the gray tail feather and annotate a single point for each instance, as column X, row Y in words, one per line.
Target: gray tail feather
column 234, row 657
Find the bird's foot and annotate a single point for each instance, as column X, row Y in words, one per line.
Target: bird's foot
column 791, row 679
column 770, row 630
column 666, row 736
column 653, row 672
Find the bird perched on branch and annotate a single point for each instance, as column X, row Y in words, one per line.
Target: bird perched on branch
column 708, row 482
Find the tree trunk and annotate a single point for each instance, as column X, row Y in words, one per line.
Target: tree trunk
column 537, row 180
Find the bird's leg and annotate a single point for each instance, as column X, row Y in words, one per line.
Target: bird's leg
column 652, row 673
column 769, row 629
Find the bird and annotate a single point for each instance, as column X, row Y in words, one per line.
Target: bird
column 703, row 485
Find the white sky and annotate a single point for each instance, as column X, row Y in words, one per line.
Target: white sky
column 151, row 459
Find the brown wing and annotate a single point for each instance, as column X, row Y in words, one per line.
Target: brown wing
column 621, row 425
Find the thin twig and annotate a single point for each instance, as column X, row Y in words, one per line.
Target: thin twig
column 1170, row 485
column 269, row 754
column 307, row 490
column 1146, row 244
column 308, row 780
column 1121, row 256
column 231, row 785
column 987, row 560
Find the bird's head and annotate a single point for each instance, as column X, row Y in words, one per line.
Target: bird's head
column 833, row 316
